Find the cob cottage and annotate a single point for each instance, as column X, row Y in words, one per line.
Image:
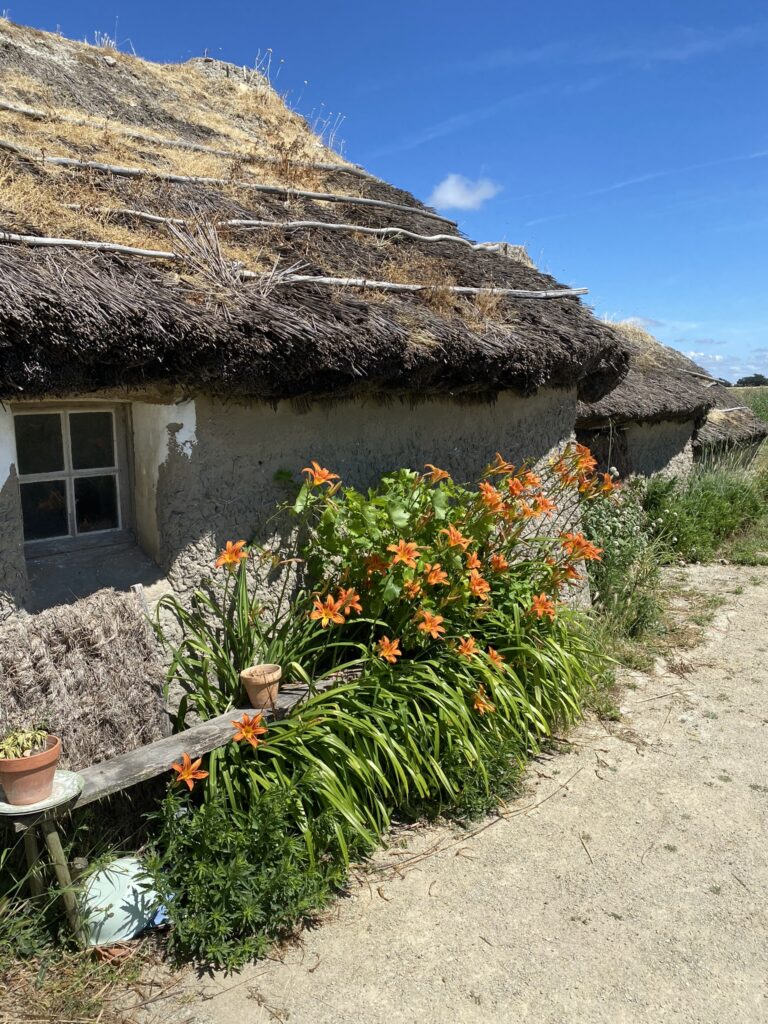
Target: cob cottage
column 665, row 413
column 197, row 297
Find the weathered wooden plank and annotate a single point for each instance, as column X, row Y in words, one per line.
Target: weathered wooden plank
column 154, row 759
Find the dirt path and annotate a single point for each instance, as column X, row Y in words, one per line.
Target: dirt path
column 637, row 892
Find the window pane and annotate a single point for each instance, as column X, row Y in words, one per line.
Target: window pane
column 44, row 509
column 38, row 443
column 96, row 503
column 92, row 443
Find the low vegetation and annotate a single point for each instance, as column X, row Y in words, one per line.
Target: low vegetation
column 693, row 516
column 755, row 397
column 432, row 624
column 447, row 605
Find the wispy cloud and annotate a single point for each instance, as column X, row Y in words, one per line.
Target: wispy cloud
column 643, row 179
column 671, row 48
column 467, row 118
column 455, row 192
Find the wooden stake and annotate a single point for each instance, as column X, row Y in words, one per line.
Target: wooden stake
column 63, row 877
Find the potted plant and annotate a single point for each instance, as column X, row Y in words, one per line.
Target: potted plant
column 28, row 759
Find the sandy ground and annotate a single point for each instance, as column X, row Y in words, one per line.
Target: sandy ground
column 628, row 884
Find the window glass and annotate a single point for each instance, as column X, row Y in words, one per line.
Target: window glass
column 39, row 448
column 44, row 509
column 96, row 503
column 92, row 442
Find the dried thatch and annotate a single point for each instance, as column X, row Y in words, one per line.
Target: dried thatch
column 663, row 384
column 90, row 671
column 77, row 323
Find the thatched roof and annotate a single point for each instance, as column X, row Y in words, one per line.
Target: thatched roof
column 78, row 321
column 663, row 384
column 90, row 671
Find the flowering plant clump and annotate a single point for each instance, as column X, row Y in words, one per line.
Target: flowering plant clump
column 428, row 558
column 450, row 604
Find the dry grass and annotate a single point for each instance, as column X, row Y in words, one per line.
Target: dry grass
column 413, row 267
column 488, row 308
column 90, row 671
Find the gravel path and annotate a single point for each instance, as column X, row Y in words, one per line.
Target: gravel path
column 629, row 884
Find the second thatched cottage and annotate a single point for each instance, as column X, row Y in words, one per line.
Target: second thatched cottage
column 197, row 297
column 665, row 414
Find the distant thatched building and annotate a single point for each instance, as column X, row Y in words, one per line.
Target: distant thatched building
column 197, row 297
column 666, row 412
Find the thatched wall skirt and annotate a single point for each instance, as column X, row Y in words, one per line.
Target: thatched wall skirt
column 221, row 479
column 13, row 571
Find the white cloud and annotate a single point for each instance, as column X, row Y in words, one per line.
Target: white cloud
column 455, row 192
column 694, row 355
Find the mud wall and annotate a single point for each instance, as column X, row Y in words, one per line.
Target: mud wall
column 665, row 447
column 214, row 472
column 13, row 570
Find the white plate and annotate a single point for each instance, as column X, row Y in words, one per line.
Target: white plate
column 66, row 786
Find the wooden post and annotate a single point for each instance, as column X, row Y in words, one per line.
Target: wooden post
column 63, row 877
column 32, row 852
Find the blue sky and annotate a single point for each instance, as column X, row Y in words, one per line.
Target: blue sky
column 625, row 144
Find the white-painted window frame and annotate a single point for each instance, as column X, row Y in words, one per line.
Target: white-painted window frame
column 69, row 474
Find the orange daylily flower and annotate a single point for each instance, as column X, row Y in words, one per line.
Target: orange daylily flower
column 431, row 624
column 473, row 562
column 576, row 545
column 435, row 574
column 350, row 600
column 585, row 461
column 495, row 657
column 490, row 497
column 479, row 586
column 327, row 611
column 435, row 475
column 544, row 505
column 542, row 605
column 528, row 511
column 467, row 647
column 188, row 771
column 567, row 476
column 404, row 551
column 389, row 650
column 531, row 480
column 608, row 484
column 481, row 704
column 413, row 589
column 249, row 728
column 456, row 539
column 232, row 555
column 515, row 486
column 374, row 564
column 499, row 563
column 316, row 475
column 500, row 465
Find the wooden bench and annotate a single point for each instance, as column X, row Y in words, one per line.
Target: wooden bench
column 120, row 773
column 126, row 770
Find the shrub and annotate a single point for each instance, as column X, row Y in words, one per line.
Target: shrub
column 450, row 601
column 624, row 583
column 232, row 886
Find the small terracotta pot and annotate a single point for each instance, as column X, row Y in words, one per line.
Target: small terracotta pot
column 28, row 780
column 261, row 684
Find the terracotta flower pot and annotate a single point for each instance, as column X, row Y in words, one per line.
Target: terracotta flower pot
column 261, row 684
column 28, row 780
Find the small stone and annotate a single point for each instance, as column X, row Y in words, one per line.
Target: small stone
column 109, row 61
